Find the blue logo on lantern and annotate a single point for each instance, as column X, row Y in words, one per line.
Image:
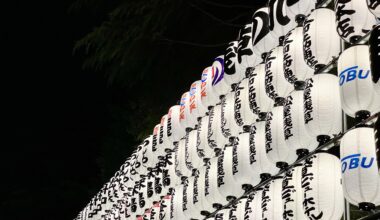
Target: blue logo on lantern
column 352, row 73
column 354, row 161
column 218, row 73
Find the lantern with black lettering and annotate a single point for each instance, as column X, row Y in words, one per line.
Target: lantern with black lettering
column 357, row 93
column 262, row 41
column 244, row 115
column 353, row 19
column 166, row 143
column 361, row 184
column 208, row 97
column 277, row 150
column 196, row 108
column 374, row 48
column 271, row 200
column 192, row 159
column 259, row 100
column 322, row 107
column 254, row 205
column 295, row 67
column 204, row 150
column 148, row 154
column 241, row 207
column 203, row 189
column 175, row 130
column 296, row 136
column 322, row 188
column 232, row 74
column 180, row 158
column 246, row 58
column 374, row 7
column 228, row 124
column 176, row 203
column 155, row 211
column 212, row 182
column 219, row 83
column 298, row 9
column 321, row 42
column 292, row 196
column 215, row 137
column 276, row 84
column 169, row 176
column 279, row 22
column 165, row 207
column 189, row 210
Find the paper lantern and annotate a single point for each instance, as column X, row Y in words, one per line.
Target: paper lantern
column 357, row 92
column 246, row 58
column 232, row 72
column 296, row 136
column 295, row 67
column 196, row 107
column 277, row 150
column 292, row 195
column 261, row 39
column 186, row 119
column 176, row 203
column 155, row 211
column 139, row 168
column 169, row 176
column 209, row 98
column 219, row 84
column 353, row 19
column 373, row 6
column 203, row 204
column 374, row 48
column 228, row 124
column 276, row 84
column 180, row 158
column 321, row 42
column 212, row 183
column 223, row 214
column 322, row 106
column 175, row 130
column 241, row 208
column 215, row 137
column 299, row 8
column 203, row 148
column 155, row 145
column 165, row 207
column 271, row 201
column 192, row 158
column 377, row 140
column 254, row 205
column 163, row 138
column 244, row 114
column 321, row 187
column 279, row 22
column 148, row 153
column 259, row 100
column 188, row 207
column 361, row 184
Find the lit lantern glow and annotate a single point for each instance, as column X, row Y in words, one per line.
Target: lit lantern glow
column 165, row 207
column 205, row 204
column 176, row 203
column 241, row 208
column 254, row 207
column 259, row 100
column 192, row 158
column 180, row 159
column 186, row 119
column 361, row 182
column 212, row 183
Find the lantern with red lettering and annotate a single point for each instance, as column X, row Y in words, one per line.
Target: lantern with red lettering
column 357, row 93
column 208, row 97
column 279, row 22
column 322, row 107
column 353, row 19
column 215, row 137
column 246, row 58
column 228, row 124
column 276, row 84
column 297, row 9
column 321, row 42
column 196, row 108
column 259, row 100
column 148, row 154
column 186, row 119
column 361, row 183
column 271, row 200
column 244, row 115
column 175, row 130
column 232, row 74
column 322, row 188
column 296, row 136
column 374, row 7
column 219, row 83
column 374, row 48
column 262, row 41
column 295, row 67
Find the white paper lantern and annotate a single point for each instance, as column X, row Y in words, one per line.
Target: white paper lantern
column 292, row 195
column 232, row 73
column 176, row 203
column 295, row 67
column 299, row 7
column 254, row 207
column 163, row 138
column 271, row 201
column 276, row 84
column 244, row 115
column 203, row 203
column 322, row 106
column 148, row 153
column 279, row 22
column 203, row 148
column 209, row 98
column 321, row 187
column 377, row 140
column 321, row 42
column 373, row 6
column 223, row 214
column 160, row 141
column 241, row 208
column 374, row 48
column 357, row 92
column 196, row 107
column 175, row 130
column 353, row 19
column 361, row 184
column 228, row 124
column 215, row 137
column 186, row 119
column 246, row 58
column 155, row 211
column 261, row 39
column 212, row 193
column 259, row 100
column 296, row 136
column 165, row 207
column 189, row 210
column 192, row 158
column 277, row 150
column 219, row 84
column 169, row 176
column 180, row 159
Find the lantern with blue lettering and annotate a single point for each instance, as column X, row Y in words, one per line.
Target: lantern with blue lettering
column 374, row 48
column 219, row 83
column 192, row 159
column 262, row 40
column 244, row 115
column 292, row 196
column 196, row 108
column 276, row 84
column 357, row 93
column 361, row 183
column 246, row 58
column 279, row 22
column 296, row 136
column 277, row 150
column 321, row 42
column 271, row 199
column 204, row 150
column 208, row 97
column 212, row 194
column 215, row 137
column 297, row 9
column 228, row 124
column 175, row 130
column 374, row 7
column 322, row 188
column 186, row 118
column 353, row 19
column 232, row 74
column 295, row 67
column 322, row 107
column 259, row 100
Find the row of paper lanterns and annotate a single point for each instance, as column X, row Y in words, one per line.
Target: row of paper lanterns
column 261, row 111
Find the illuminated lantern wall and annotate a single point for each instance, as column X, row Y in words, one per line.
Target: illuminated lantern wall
column 175, row 129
